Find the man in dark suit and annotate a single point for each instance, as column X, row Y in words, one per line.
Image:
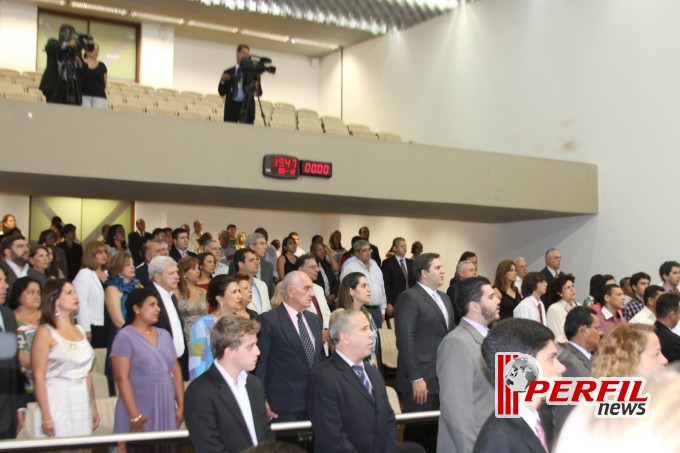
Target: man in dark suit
column 232, row 86
column 164, row 279
column 291, row 346
column 180, row 244
column 364, row 233
column 15, row 252
column 527, row 433
column 465, row 382
column 346, row 397
column 583, row 331
column 216, row 403
column 265, row 271
column 138, row 238
column 667, row 315
column 423, row 317
column 150, row 250
column 553, row 261
column 12, row 404
column 397, row 274
column 326, row 278
column 73, row 252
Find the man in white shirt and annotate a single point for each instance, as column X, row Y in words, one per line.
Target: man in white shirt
column 195, row 236
column 246, row 263
column 362, row 262
column 522, row 269
column 225, row 407
column 648, row 313
column 466, row 387
column 532, row 307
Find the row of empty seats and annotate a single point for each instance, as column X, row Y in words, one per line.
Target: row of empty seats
column 190, row 104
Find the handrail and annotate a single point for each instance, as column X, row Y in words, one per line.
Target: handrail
column 174, row 434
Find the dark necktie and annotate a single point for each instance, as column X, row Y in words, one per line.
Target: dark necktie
column 404, row 271
column 364, row 379
column 318, row 308
column 306, row 341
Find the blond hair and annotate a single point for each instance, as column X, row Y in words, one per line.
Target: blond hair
column 618, row 354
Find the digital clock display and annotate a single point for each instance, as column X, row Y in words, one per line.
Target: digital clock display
column 314, row 168
column 280, row 166
column 290, row 167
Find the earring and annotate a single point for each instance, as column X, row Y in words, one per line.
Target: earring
column 221, row 306
column 57, row 312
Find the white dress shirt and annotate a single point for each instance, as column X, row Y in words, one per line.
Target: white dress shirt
column 241, row 395
column 173, row 316
column 529, row 309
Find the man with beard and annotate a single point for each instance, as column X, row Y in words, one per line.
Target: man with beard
column 15, row 260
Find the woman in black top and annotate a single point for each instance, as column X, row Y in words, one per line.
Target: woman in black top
column 94, row 78
column 505, row 289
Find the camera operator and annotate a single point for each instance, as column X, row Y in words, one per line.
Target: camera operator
column 61, row 80
column 234, row 85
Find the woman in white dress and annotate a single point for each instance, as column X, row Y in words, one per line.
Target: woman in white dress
column 562, row 291
column 89, row 284
column 61, row 361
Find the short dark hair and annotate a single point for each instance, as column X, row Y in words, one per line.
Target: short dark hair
column 622, row 282
column 263, row 232
column 466, row 256
column 524, row 336
column 555, row 286
column 635, row 278
column 469, row 290
column 531, row 281
column 68, row 228
column 240, row 257
column 51, row 292
column 217, row 287
column 665, row 304
column 239, row 48
column 301, row 260
column 7, row 241
column 423, row 263
column 317, row 238
column 157, row 231
column 18, row 287
column 651, row 291
column 666, row 268
column 578, row 317
column 228, row 332
column 177, row 231
column 606, row 290
column 137, row 298
column 286, row 240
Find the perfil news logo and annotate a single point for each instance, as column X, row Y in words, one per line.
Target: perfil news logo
column 519, row 379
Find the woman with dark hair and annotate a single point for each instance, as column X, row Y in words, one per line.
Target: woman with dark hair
column 207, row 265
column 115, row 239
column 563, row 294
column 505, row 289
column 416, row 249
column 469, row 256
column 355, row 294
column 245, row 286
column 120, row 284
column 191, row 300
column 89, row 284
column 597, row 282
column 534, row 286
column 58, row 265
column 94, row 77
column 39, row 259
column 61, row 360
column 223, row 294
column 145, row 366
column 25, row 299
column 335, row 243
column 286, row 262
column 9, row 225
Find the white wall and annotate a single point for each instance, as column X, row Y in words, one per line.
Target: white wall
column 565, row 79
column 156, row 55
column 198, row 66
column 18, row 35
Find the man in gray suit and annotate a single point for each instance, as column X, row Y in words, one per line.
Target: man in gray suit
column 583, row 330
column 466, row 386
column 424, row 315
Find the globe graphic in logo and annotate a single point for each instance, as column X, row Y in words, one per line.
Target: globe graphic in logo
column 520, row 372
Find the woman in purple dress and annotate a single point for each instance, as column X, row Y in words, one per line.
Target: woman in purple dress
column 151, row 391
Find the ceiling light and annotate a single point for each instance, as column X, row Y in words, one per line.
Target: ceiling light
column 208, row 26
column 99, row 8
column 157, row 18
column 309, row 42
column 263, row 35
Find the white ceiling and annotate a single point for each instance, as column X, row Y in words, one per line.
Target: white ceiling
column 333, row 21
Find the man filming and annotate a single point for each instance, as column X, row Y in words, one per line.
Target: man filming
column 239, row 87
column 61, row 80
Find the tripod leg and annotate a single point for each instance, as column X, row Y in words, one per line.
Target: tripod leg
column 264, row 120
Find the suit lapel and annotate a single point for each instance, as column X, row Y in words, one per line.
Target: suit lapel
column 290, row 333
column 428, row 298
column 227, row 397
column 579, row 355
column 350, row 376
column 479, row 339
column 528, row 436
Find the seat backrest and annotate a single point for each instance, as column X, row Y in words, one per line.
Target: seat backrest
column 388, row 345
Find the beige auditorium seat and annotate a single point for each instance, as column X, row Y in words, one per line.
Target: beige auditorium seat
column 178, row 106
column 389, row 137
column 214, row 97
column 107, row 414
column 24, row 97
column 203, row 108
column 193, row 115
column 119, row 85
column 365, row 134
column 167, row 91
column 9, row 72
column 191, row 94
column 144, row 101
column 144, row 88
column 100, row 385
column 161, row 111
column 282, row 125
column 310, row 127
column 307, row 113
column 388, row 345
column 33, row 74
column 332, row 122
column 393, row 398
column 9, row 87
column 99, row 360
column 358, row 127
column 127, row 108
column 27, row 82
column 337, row 131
column 284, row 106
